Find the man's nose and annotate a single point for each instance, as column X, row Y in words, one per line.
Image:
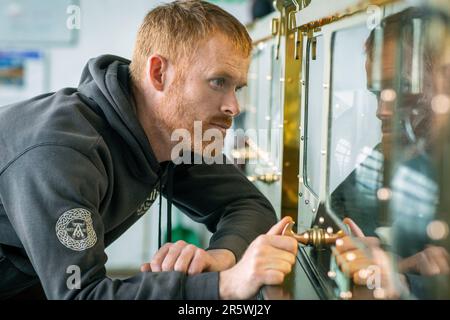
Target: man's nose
column 231, row 106
column 384, row 110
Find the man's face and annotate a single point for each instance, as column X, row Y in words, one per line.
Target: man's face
column 204, row 89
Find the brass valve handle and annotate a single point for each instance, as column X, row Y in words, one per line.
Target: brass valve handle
column 267, row 178
column 316, row 237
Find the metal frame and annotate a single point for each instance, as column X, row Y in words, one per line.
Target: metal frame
column 307, row 213
column 309, row 201
column 291, row 121
column 328, row 31
column 320, row 18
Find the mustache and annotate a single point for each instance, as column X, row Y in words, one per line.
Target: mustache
column 222, row 120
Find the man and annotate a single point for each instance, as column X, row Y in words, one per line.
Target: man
column 78, row 167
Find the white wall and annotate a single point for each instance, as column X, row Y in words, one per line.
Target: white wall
column 110, row 27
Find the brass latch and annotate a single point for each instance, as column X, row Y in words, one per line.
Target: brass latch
column 277, row 25
column 267, row 178
column 316, row 237
column 292, row 23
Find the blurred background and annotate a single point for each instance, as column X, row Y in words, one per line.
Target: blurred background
column 44, row 46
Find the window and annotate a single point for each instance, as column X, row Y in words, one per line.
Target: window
column 276, row 111
column 355, row 162
column 389, row 142
column 313, row 113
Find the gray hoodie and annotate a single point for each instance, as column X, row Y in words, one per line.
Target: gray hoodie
column 77, row 170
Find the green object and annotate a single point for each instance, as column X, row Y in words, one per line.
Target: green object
column 181, row 232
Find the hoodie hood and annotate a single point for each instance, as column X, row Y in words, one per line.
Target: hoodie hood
column 106, row 83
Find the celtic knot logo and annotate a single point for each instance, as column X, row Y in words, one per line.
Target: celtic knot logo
column 75, row 231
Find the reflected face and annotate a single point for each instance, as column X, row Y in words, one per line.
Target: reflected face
column 384, row 93
column 383, row 85
column 206, row 89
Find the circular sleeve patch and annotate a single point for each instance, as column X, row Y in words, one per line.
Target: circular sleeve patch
column 74, row 230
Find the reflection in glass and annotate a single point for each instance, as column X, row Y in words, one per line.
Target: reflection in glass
column 355, row 163
column 422, row 255
column 396, row 195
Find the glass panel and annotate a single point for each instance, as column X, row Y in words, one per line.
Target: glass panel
column 258, row 140
column 248, row 112
column 235, row 145
column 417, row 208
column 276, row 111
column 264, row 88
column 397, row 192
column 355, row 159
column 313, row 113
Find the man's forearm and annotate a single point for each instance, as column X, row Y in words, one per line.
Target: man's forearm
column 223, row 259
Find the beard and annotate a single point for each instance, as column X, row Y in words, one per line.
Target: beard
column 179, row 117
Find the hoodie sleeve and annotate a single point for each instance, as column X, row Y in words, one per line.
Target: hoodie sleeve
column 221, row 197
column 52, row 196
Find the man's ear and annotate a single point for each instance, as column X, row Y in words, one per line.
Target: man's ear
column 156, row 71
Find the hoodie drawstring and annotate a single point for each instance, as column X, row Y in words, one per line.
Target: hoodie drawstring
column 160, row 210
column 169, row 188
column 169, row 200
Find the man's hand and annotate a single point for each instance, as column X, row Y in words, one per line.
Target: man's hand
column 361, row 263
column 431, row 261
column 266, row 262
column 187, row 258
column 358, row 233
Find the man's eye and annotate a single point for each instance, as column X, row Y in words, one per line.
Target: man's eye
column 218, row 83
column 238, row 89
